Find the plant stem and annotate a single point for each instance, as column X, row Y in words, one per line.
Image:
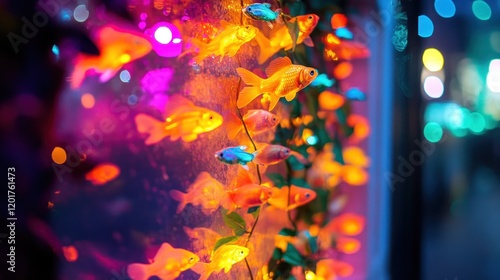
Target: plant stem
column 288, row 179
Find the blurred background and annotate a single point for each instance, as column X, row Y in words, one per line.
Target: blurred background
column 414, row 85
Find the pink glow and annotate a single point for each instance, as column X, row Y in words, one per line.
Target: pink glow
column 156, row 81
column 166, row 39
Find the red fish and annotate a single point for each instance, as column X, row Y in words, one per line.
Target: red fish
column 256, row 121
column 271, row 154
column 246, row 194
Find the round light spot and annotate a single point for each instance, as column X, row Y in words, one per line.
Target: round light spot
column 433, row 59
column 312, row 140
column 433, row 87
column 493, row 76
column 476, row 122
column 125, row 58
column 338, row 21
column 142, row 24
column 342, row 70
column 81, row 13
column 59, row 155
column 88, row 100
column 425, row 26
column 125, row 76
column 445, row 8
column 143, row 16
column 65, row 15
column 494, row 65
column 481, row 10
column 163, row 35
column 132, row 99
column 176, row 40
column 433, row 132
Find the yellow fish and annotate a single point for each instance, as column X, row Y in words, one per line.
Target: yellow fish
column 284, row 80
column 183, row 120
column 282, row 39
column 205, row 191
column 168, row 264
column 226, row 43
column 117, row 47
column 224, row 258
column 298, row 197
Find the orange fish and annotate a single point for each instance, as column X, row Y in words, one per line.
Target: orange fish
column 282, row 39
column 183, row 120
column 284, row 80
column 223, row 258
column 205, row 191
column 117, row 47
column 168, row 264
column 270, row 154
column 226, row 43
column 102, row 173
column 256, row 121
column 203, row 239
column 246, row 194
column 329, row 269
column 298, row 197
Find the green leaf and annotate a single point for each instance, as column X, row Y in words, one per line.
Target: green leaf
column 253, row 209
column 287, row 232
column 277, row 254
column 294, row 163
column 277, row 179
column 234, row 221
column 299, row 182
column 313, row 244
column 292, row 256
column 224, row 240
column 293, row 29
column 337, row 151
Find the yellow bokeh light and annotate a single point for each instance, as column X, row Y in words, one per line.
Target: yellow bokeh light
column 88, row 100
column 59, row 155
column 355, row 156
column 330, row 101
column 433, row 59
column 348, row 245
column 354, row 175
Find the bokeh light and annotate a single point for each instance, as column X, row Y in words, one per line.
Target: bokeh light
column 70, row 253
column 342, row 70
column 87, row 100
column 445, row 8
column 433, row 87
column 344, row 33
column 354, row 175
column 495, row 41
column 125, row 76
column 338, row 21
column 163, row 35
column 476, row 123
column 493, row 76
column 59, row 155
column 433, row 59
column 166, row 39
column 81, row 13
column 330, row 101
column 481, row 10
column 355, row 94
column 348, row 245
column 433, row 132
column 425, row 26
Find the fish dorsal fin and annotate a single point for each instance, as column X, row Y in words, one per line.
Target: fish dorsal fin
column 277, row 64
column 243, row 178
column 175, row 103
column 164, row 250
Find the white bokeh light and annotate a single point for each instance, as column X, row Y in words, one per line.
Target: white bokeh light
column 163, row 35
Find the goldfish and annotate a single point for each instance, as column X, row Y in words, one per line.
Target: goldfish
column 282, row 39
column 284, row 80
column 102, row 173
column 168, row 264
column 256, row 121
column 205, row 191
column 228, row 42
column 183, row 120
column 235, row 155
column 223, row 258
column 298, row 197
column 246, row 194
column 263, row 12
column 117, row 47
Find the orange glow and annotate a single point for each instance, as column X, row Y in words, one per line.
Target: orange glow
column 125, row 58
column 88, row 100
column 361, row 126
column 50, row 205
column 70, row 253
column 330, row 101
column 338, row 21
column 354, row 175
column 332, row 39
column 335, row 49
column 348, row 245
column 59, row 155
column 343, row 70
column 355, row 156
column 102, row 173
column 329, row 269
column 349, row 224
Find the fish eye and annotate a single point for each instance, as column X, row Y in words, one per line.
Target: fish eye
column 191, row 260
column 274, row 119
column 307, row 195
column 221, row 154
column 211, row 117
column 241, row 252
column 311, row 73
column 310, row 17
column 249, row 9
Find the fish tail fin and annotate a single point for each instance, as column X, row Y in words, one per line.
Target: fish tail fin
column 234, row 125
column 179, row 196
column 227, row 202
column 151, row 126
column 248, row 94
column 138, row 271
column 266, row 49
column 203, row 269
column 274, row 101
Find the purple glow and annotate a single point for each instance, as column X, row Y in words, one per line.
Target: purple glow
column 142, row 24
column 156, row 81
column 166, row 39
column 159, row 101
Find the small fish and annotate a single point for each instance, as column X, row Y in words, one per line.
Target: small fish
column 271, row 154
column 263, row 12
column 284, row 80
column 226, row 43
column 246, row 194
column 282, row 39
column 168, row 264
column 117, row 47
column 183, row 120
column 298, row 197
column 256, row 121
column 205, row 191
column 235, row 155
column 223, row 258
column 102, row 173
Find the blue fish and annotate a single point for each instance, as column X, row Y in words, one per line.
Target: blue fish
column 263, row 12
column 235, row 155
